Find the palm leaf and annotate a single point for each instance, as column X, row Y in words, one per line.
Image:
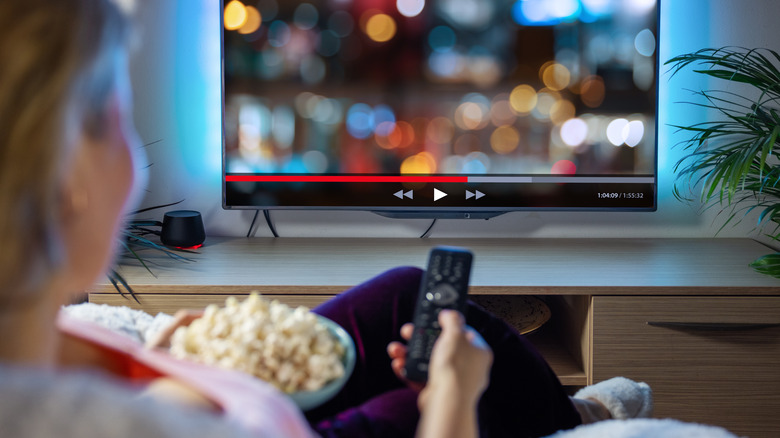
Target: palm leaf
column 768, row 264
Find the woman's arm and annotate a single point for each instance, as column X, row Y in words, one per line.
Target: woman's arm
column 458, row 375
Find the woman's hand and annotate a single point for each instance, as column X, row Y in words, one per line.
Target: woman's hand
column 458, row 374
column 397, row 353
column 170, row 389
column 460, row 361
column 181, row 318
column 459, row 353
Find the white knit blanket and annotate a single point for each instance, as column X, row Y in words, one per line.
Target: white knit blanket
column 644, row 428
column 136, row 324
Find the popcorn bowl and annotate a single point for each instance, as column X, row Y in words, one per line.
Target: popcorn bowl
column 308, row 400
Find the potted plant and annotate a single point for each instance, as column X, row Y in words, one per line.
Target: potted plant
column 135, row 237
column 732, row 160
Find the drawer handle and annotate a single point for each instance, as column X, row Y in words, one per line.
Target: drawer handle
column 712, row 326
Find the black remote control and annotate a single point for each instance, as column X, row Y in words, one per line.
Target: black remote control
column 444, row 286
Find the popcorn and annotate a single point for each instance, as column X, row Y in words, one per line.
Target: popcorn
column 289, row 348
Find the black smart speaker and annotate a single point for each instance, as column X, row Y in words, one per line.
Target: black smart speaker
column 182, row 229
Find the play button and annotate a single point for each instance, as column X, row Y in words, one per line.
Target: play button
column 438, row 194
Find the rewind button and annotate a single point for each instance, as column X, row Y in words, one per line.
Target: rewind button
column 401, row 194
column 476, row 194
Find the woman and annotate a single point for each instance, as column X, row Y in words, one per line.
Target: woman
column 67, row 179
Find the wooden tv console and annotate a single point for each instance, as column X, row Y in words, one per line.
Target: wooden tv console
column 688, row 316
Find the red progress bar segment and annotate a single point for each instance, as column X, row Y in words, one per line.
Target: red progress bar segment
column 344, row 178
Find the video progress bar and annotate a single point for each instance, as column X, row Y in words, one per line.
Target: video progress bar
column 564, row 179
column 345, row 178
column 443, row 179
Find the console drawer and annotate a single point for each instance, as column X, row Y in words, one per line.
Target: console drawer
column 711, row 360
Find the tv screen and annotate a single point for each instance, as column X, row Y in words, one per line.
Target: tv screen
column 440, row 108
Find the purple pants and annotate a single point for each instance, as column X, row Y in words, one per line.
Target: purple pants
column 524, row 398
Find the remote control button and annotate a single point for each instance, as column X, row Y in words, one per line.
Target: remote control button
column 443, row 295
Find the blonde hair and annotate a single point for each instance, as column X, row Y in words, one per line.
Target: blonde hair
column 57, row 62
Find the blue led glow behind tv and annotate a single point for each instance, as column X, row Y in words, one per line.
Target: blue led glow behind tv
column 447, row 108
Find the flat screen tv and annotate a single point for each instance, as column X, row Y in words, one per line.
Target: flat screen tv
column 440, row 108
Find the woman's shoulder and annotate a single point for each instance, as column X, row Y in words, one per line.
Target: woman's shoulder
column 35, row 403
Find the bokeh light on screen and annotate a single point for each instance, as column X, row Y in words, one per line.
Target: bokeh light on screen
column 305, row 103
column 624, row 132
column 476, row 163
column 384, row 120
column 410, row 8
column 592, row 91
column 616, row 133
column 328, row 112
column 403, row 135
column 399, row 135
column 544, row 12
column 598, row 7
column 574, row 132
column 253, row 21
column 315, row 162
column 467, row 14
column 279, row 34
column 235, row 15
column 379, row 27
column 440, row 130
column 639, row 7
column 484, row 70
column 360, row 121
column 561, row 111
column 564, row 167
column 283, row 126
column 633, row 133
column 306, row 16
column 555, row 76
column 473, row 113
column 501, row 111
column 504, row 139
column 422, row 163
column 386, row 141
column 644, row 75
column 446, row 64
column 523, row 99
column 645, row 42
column 546, row 100
column 442, row 38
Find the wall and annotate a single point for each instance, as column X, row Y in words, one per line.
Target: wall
column 176, row 77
